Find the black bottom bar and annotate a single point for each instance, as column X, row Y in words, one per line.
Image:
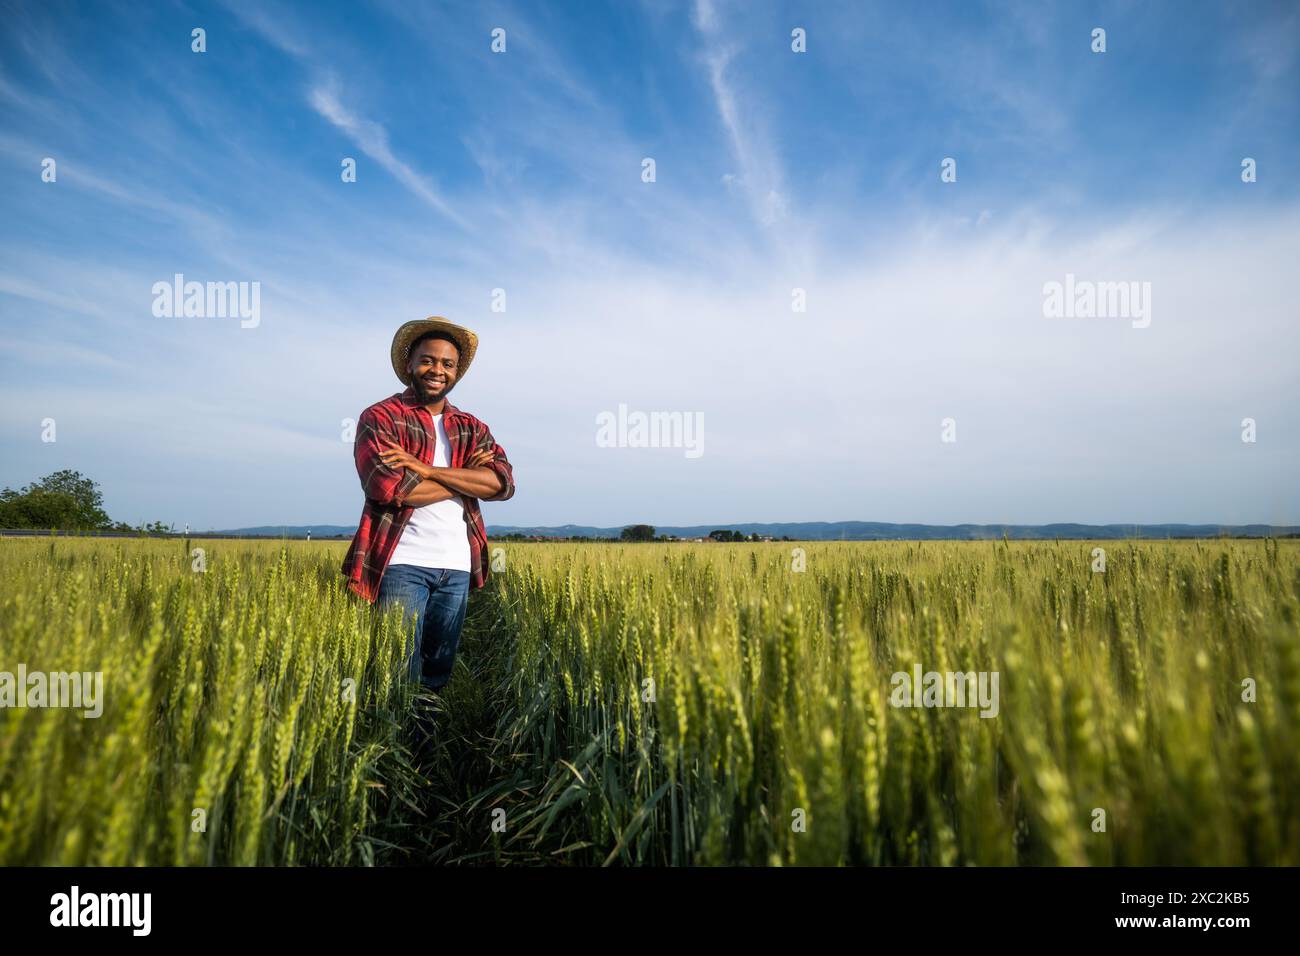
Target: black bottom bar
column 381, row 906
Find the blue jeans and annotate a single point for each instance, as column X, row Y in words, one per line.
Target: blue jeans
column 436, row 598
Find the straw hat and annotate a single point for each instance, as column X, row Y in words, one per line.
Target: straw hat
column 466, row 343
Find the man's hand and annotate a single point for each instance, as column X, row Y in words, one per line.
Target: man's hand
column 395, row 456
column 474, row 478
column 481, row 458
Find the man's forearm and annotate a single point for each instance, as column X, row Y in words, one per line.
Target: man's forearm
column 475, row 482
column 427, row 492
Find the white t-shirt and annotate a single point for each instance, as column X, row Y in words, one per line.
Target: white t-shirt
column 436, row 536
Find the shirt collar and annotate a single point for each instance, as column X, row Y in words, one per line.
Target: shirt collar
column 411, row 400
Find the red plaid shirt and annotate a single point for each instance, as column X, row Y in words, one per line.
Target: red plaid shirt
column 402, row 419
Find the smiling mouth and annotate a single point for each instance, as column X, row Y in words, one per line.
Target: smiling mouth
column 434, row 382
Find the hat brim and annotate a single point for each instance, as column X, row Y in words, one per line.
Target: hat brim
column 466, row 343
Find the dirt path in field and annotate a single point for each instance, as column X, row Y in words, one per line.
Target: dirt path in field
column 453, row 769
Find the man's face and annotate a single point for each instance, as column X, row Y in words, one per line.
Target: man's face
column 434, row 365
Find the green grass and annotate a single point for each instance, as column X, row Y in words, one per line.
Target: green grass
column 230, row 732
column 663, row 704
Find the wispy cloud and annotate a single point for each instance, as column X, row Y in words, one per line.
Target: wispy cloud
column 274, row 30
column 372, row 139
column 760, row 178
column 323, row 95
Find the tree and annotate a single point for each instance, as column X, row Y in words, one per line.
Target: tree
column 638, row 532
column 34, row 508
column 64, row 499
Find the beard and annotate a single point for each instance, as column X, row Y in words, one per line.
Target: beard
column 428, row 397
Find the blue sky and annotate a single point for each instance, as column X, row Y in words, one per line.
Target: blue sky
column 775, row 170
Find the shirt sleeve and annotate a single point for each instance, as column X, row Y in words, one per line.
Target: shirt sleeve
column 382, row 484
column 500, row 464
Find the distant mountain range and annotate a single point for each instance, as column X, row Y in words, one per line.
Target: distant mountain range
column 846, row 531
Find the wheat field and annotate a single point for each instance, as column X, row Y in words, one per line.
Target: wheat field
column 661, row 704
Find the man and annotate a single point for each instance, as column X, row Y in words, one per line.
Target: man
column 424, row 466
